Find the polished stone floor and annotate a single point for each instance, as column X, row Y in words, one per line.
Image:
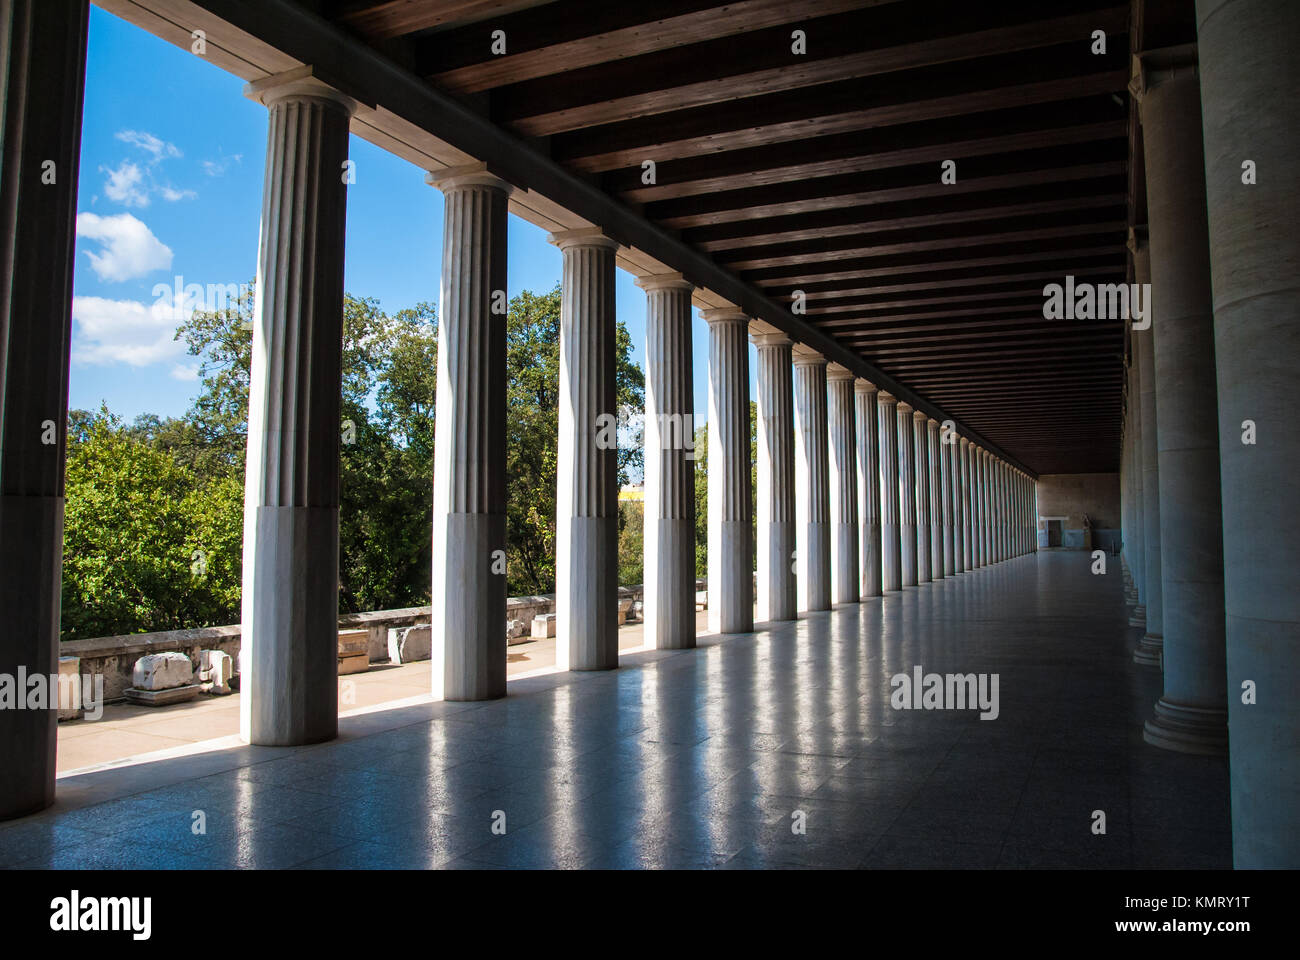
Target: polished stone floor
column 712, row 757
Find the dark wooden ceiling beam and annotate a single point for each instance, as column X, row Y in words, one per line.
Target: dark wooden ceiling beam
column 852, row 247
column 1056, row 197
column 905, row 97
column 830, row 193
column 848, row 46
column 543, row 42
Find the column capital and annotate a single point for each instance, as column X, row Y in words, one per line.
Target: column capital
column 904, row 406
column 1150, row 68
column 920, row 416
column 805, row 356
column 835, row 371
column 864, row 386
column 305, row 82
column 664, row 281
column 714, row 315
column 582, row 237
column 885, row 397
column 467, row 176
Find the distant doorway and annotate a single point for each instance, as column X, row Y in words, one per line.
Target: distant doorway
column 1055, row 532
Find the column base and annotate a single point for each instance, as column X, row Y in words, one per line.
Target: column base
column 1138, row 618
column 1187, row 729
column 1149, row 650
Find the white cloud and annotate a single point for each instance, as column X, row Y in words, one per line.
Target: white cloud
column 125, row 185
column 171, row 194
column 127, row 247
column 156, row 147
column 188, row 372
column 125, row 331
column 216, row 168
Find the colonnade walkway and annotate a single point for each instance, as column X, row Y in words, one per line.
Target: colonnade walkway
column 715, row 756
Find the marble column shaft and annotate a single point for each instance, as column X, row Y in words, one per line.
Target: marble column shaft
column 1191, row 716
column 776, row 511
column 949, row 511
column 921, row 454
column 843, row 483
column 1146, row 481
column 812, row 490
column 586, row 519
column 937, row 508
column 907, row 494
column 891, row 561
column 968, row 555
column 42, row 82
column 289, row 646
column 669, row 465
column 730, row 552
column 469, row 483
column 868, row 449
column 1249, row 90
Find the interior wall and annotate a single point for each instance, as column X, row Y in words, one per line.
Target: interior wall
column 1072, row 495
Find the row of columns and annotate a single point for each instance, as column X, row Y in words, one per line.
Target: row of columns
column 883, row 497
column 1211, row 443
column 1210, row 536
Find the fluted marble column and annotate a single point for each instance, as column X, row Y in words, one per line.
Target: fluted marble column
column 776, row 513
column 868, row 449
column 842, row 434
column 1137, row 551
column 1248, row 92
column 986, row 495
column 469, row 484
column 954, row 485
column 968, row 556
column 42, row 80
column 1147, row 470
column 291, row 489
column 669, row 464
column 907, row 492
column 937, row 510
column 1004, row 526
column 731, row 554
column 977, row 504
column 586, row 516
column 1191, row 716
column 812, row 492
column 891, row 538
column 949, row 511
column 921, row 460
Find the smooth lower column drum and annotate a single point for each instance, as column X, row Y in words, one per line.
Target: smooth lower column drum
column 907, row 493
column 868, row 449
column 289, row 644
column 1249, row 90
column 775, row 470
column 669, row 464
column 1191, row 716
column 586, row 515
column 42, row 76
column 891, row 562
column 730, row 550
column 843, row 483
column 812, row 491
column 469, row 482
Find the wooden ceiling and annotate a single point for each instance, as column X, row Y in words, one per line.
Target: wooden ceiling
column 821, row 171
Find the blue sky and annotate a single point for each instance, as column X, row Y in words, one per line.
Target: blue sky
column 172, row 160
